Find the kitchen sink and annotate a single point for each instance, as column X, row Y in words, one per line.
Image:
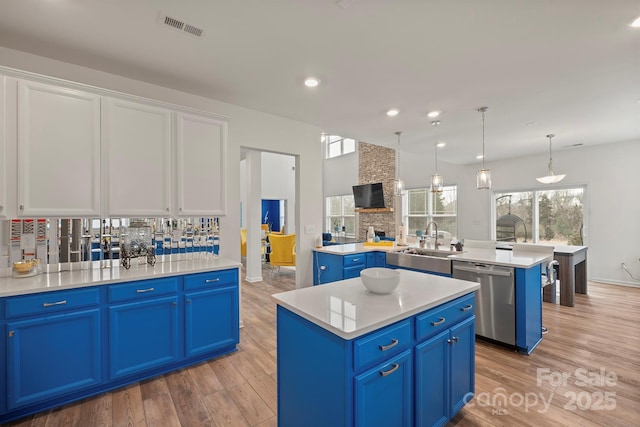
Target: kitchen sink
column 428, row 260
column 441, row 253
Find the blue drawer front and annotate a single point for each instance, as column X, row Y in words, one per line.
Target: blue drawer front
column 210, row 279
column 51, row 302
column 143, row 289
column 382, row 344
column 439, row 319
column 354, row 260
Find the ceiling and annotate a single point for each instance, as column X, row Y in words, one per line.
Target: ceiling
column 569, row 67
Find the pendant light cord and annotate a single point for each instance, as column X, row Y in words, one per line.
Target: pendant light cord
column 398, row 156
column 435, row 123
column 550, row 156
column 483, row 139
column 483, row 110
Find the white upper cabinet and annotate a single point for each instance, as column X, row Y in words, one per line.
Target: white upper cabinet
column 3, row 148
column 136, row 159
column 200, row 168
column 58, row 151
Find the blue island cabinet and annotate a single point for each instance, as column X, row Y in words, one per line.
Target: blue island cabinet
column 418, row 371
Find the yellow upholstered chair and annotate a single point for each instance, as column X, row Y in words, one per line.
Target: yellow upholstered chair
column 283, row 250
column 243, row 242
column 265, row 227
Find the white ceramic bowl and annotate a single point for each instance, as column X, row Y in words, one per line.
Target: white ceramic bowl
column 380, row 280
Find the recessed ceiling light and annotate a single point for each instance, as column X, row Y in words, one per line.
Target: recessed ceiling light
column 441, row 144
column 531, row 124
column 311, row 82
column 479, row 156
column 433, row 114
column 392, row 112
column 636, row 23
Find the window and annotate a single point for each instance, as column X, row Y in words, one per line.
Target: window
column 341, row 215
column 540, row 216
column 421, row 206
column 338, row 145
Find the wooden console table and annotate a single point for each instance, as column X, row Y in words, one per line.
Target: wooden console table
column 572, row 275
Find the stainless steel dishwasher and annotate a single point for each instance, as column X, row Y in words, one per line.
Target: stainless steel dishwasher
column 495, row 300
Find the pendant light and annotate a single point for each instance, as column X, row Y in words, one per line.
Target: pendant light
column 436, row 180
column 398, row 184
column 483, row 177
column 550, row 178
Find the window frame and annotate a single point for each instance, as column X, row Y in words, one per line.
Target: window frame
column 342, row 216
column 535, row 232
column 330, row 140
column 430, row 215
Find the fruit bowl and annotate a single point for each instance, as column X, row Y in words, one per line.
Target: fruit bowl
column 380, row 280
column 24, row 267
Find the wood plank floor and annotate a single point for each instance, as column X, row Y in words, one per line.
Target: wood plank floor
column 585, row 372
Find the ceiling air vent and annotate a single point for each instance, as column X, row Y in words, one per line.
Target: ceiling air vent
column 180, row 25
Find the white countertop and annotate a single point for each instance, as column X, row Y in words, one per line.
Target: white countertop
column 501, row 257
column 355, row 248
column 348, row 310
column 487, row 256
column 94, row 275
column 559, row 249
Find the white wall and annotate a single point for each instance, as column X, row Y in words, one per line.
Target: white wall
column 611, row 173
column 247, row 128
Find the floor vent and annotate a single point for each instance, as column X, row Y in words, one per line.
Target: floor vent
column 180, row 25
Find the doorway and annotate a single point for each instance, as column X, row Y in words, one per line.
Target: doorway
column 267, row 196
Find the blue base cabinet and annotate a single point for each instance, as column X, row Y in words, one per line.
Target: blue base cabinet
column 50, row 356
column 329, row 268
column 384, row 394
column 63, row 346
column 418, row 371
column 441, row 394
column 211, row 299
column 142, row 335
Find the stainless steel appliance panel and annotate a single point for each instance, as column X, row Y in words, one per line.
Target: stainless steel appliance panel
column 495, row 300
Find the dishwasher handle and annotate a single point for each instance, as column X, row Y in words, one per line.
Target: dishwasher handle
column 483, row 270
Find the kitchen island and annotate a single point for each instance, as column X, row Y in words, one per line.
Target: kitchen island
column 72, row 334
column 347, row 357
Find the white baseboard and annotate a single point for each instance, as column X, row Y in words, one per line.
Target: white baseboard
column 615, row 282
column 253, row 279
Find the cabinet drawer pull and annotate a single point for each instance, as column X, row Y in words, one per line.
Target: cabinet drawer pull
column 467, row 307
column 49, row 304
column 217, row 279
column 390, row 371
column 141, row 291
column 355, row 260
column 394, row 342
column 439, row 322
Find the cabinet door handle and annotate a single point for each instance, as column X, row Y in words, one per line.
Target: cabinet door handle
column 141, row 291
column 439, row 322
column 394, row 342
column 49, row 304
column 217, row 279
column 467, row 307
column 453, row 340
column 390, row 371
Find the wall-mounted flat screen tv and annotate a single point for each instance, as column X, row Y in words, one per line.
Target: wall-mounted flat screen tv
column 368, row 195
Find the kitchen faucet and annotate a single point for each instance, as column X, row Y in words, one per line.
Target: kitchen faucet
column 426, row 232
